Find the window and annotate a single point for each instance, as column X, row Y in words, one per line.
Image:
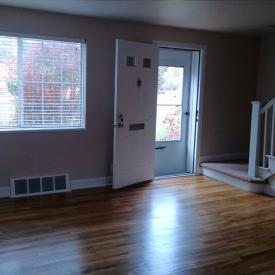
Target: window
column 130, row 61
column 147, row 63
column 41, row 84
column 169, row 103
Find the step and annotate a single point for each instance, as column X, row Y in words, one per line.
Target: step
column 237, row 170
column 235, row 174
column 271, row 163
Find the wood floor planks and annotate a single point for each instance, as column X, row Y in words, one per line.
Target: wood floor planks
column 186, row 225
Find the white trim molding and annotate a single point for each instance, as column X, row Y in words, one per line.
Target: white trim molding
column 41, row 36
column 90, row 183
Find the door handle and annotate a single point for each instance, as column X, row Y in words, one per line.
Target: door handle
column 120, row 121
column 160, row 147
column 187, row 113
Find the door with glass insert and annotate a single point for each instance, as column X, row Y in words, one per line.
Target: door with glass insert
column 172, row 111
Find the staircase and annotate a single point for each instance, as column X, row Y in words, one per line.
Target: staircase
column 258, row 175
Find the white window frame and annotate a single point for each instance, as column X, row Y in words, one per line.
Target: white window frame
column 83, row 43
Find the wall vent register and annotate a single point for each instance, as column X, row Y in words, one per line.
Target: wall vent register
column 41, row 185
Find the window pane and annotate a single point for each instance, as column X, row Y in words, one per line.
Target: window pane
column 32, row 108
column 170, row 84
column 51, row 71
column 168, row 123
column 32, row 71
column 169, row 110
column 32, row 59
column 52, row 104
column 72, row 104
column 8, row 82
column 71, row 62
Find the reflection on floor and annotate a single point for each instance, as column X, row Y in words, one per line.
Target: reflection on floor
column 171, row 226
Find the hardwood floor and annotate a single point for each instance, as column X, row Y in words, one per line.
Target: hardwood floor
column 188, row 225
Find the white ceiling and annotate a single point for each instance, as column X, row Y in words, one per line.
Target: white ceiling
column 220, row 15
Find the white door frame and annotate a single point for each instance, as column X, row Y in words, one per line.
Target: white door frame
column 202, row 65
column 173, row 160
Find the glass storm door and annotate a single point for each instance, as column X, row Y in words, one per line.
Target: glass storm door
column 172, row 111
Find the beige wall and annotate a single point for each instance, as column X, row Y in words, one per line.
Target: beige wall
column 229, row 86
column 266, row 77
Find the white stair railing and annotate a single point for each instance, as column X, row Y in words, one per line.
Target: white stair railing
column 254, row 139
column 263, row 119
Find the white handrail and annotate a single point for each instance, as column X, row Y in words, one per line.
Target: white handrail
column 268, row 132
column 264, row 139
column 272, row 131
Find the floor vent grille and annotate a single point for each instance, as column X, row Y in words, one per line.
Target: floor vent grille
column 41, row 185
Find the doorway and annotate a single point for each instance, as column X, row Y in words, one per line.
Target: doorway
column 176, row 122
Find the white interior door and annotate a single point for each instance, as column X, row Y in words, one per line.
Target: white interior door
column 172, row 111
column 134, row 112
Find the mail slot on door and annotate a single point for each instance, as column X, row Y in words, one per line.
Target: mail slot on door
column 136, row 127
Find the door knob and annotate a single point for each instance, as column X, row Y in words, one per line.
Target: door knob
column 120, row 121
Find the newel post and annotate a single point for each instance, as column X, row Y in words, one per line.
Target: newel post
column 254, row 139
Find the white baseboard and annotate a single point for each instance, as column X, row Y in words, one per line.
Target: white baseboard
column 242, row 184
column 224, row 157
column 4, row 192
column 90, row 183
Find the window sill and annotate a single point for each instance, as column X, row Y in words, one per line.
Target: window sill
column 168, row 141
column 41, row 130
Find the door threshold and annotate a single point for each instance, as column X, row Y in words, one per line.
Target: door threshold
column 174, row 176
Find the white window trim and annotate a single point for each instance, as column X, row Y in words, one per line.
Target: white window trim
column 83, row 43
column 44, row 37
